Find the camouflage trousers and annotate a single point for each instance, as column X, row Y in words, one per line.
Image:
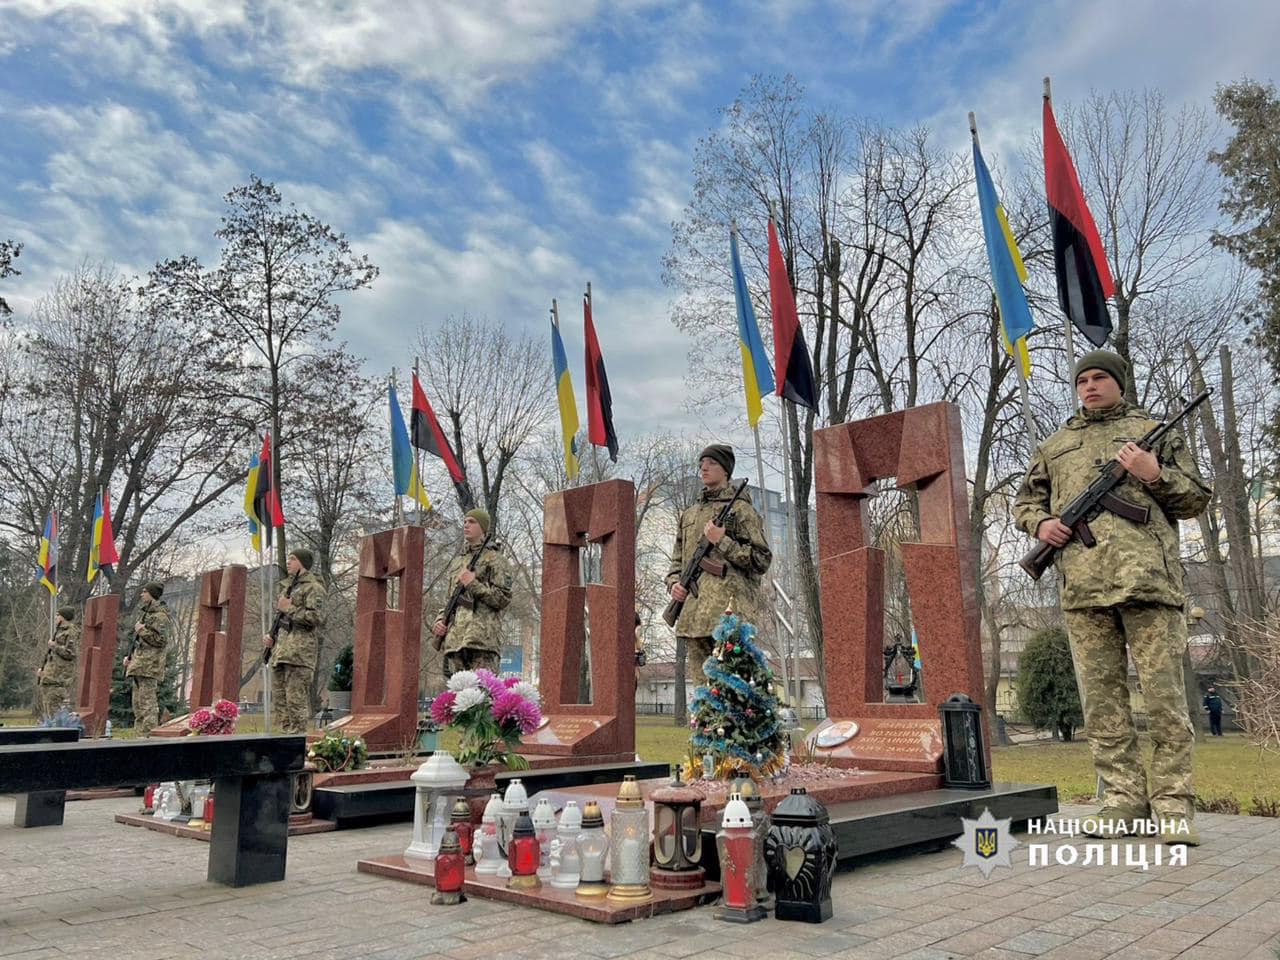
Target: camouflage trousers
column 291, row 697
column 470, row 658
column 146, row 708
column 696, row 651
column 1156, row 637
column 49, row 697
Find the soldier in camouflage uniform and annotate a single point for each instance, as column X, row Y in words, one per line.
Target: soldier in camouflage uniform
column 740, row 552
column 1126, row 590
column 474, row 638
column 145, row 664
column 297, row 644
column 56, row 676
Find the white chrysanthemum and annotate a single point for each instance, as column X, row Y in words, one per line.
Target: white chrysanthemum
column 468, row 698
column 463, row 680
column 527, row 690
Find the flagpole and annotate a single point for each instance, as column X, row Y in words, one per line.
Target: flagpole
column 1028, row 419
column 395, row 508
column 595, row 450
column 788, row 407
column 416, row 475
column 1070, row 342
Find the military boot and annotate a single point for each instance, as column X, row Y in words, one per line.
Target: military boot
column 1116, row 820
column 1176, row 824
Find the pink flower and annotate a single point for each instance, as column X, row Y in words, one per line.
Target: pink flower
column 442, row 707
column 510, row 682
column 226, row 709
column 515, row 709
column 491, row 682
column 200, row 719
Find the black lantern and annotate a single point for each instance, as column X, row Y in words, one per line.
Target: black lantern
column 965, row 754
column 677, row 837
column 750, row 792
column 801, row 854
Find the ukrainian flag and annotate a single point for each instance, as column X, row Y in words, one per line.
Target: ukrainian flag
column 49, row 554
column 95, row 542
column 568, row 405
column 250, row 488
column 406, row 478
column 1008, row 273
column 757, row 377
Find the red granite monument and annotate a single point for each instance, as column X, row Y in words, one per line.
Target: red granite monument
column 388, row 641
column 575, row 614
column 97, row 660
column 922, row 449
column 215, row 661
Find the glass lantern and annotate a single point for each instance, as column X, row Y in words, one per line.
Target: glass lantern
column 544, row 827
column 450, row 871
column 568, row 865
column 629, row 851
column 677, row 837
column 736, row 845
column 199, row 798
column 436, row 783
column 593, row 846
column 965, row 753
column 801, row 854
column 750, row 792
column 487, row 854
column 789, row 725
column 523, row 854
column 514, row 802
column 460, row 823
column 209, row 806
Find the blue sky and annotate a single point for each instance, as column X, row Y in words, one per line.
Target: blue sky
column 488, row 155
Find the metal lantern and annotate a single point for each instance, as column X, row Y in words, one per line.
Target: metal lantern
column 964, row 752
column 450, row 871
column 788, row 724
column 460, row 823
column 567, row 863
column 544, row 827
column 736, row 846
column 677, row 837
column 437, row 781
column 593, row 845
column 487, row 854
column 801, row 855
column 523, row 854
column 750, row 793
column 514, row 803
column 629, row 850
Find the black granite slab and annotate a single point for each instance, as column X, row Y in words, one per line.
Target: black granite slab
column 14, row 736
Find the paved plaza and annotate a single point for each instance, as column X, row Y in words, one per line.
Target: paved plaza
column 94, row 888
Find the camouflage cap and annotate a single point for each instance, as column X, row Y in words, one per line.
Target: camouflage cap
column 67, row 613
column 154, row 588
column 722, row 454
column 1109, row 363
column 481, row 517
column 305, row 557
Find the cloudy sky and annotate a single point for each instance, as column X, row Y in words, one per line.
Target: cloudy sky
column 490, row 155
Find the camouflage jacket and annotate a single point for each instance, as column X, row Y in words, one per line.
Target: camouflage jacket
column 476, row 624
column 743, row 550
column 299, row 645
column 60, row 665
column 1132, row 562
column 148, row 655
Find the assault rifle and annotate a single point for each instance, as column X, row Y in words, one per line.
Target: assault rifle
column 701, row 562
column 455, row 598
column 1100, row 495
column 283, row 621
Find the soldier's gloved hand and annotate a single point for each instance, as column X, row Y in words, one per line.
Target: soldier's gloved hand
column 678, row 592
column 713, row 533
column 1053, row 531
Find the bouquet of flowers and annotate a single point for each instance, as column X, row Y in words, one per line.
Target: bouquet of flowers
column 218, row 719
column 491, row 713
column 334, row 752
column 65, row 717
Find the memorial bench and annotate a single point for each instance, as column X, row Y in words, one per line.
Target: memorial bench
column 251, row 776
column 32, row 810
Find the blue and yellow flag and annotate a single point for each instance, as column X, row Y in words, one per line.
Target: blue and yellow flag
column 1008, row 273
column 568, row 405
column 757, row 377
column 48, row 569
column 250, row 488
column 406, row 477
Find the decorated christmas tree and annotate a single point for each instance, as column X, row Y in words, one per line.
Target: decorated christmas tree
column 734, row 718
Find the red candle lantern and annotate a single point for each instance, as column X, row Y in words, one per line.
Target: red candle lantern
column 737, row 848
column 450, row 870
column 149, row 799
column 523, row 854
column 460, row 823
column 208, row 811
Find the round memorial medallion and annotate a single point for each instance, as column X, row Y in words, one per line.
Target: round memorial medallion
column 836, row 734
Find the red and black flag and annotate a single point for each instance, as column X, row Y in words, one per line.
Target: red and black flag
column 1084, row 279
column 599, row 401
column 425, row 434
column 793, row 369
column 266, row 498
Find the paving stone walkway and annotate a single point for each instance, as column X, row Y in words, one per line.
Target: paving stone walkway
column 94, row 888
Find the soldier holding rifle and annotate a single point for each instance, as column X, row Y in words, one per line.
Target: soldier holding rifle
column 1120, row 582
column 738, row 558
column 58, row 672
column 146, row 660
column 469, row 627
column 294, row 645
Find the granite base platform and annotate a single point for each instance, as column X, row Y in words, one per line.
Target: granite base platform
column 106, row 793
column 297, row 828
column 545, row 897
